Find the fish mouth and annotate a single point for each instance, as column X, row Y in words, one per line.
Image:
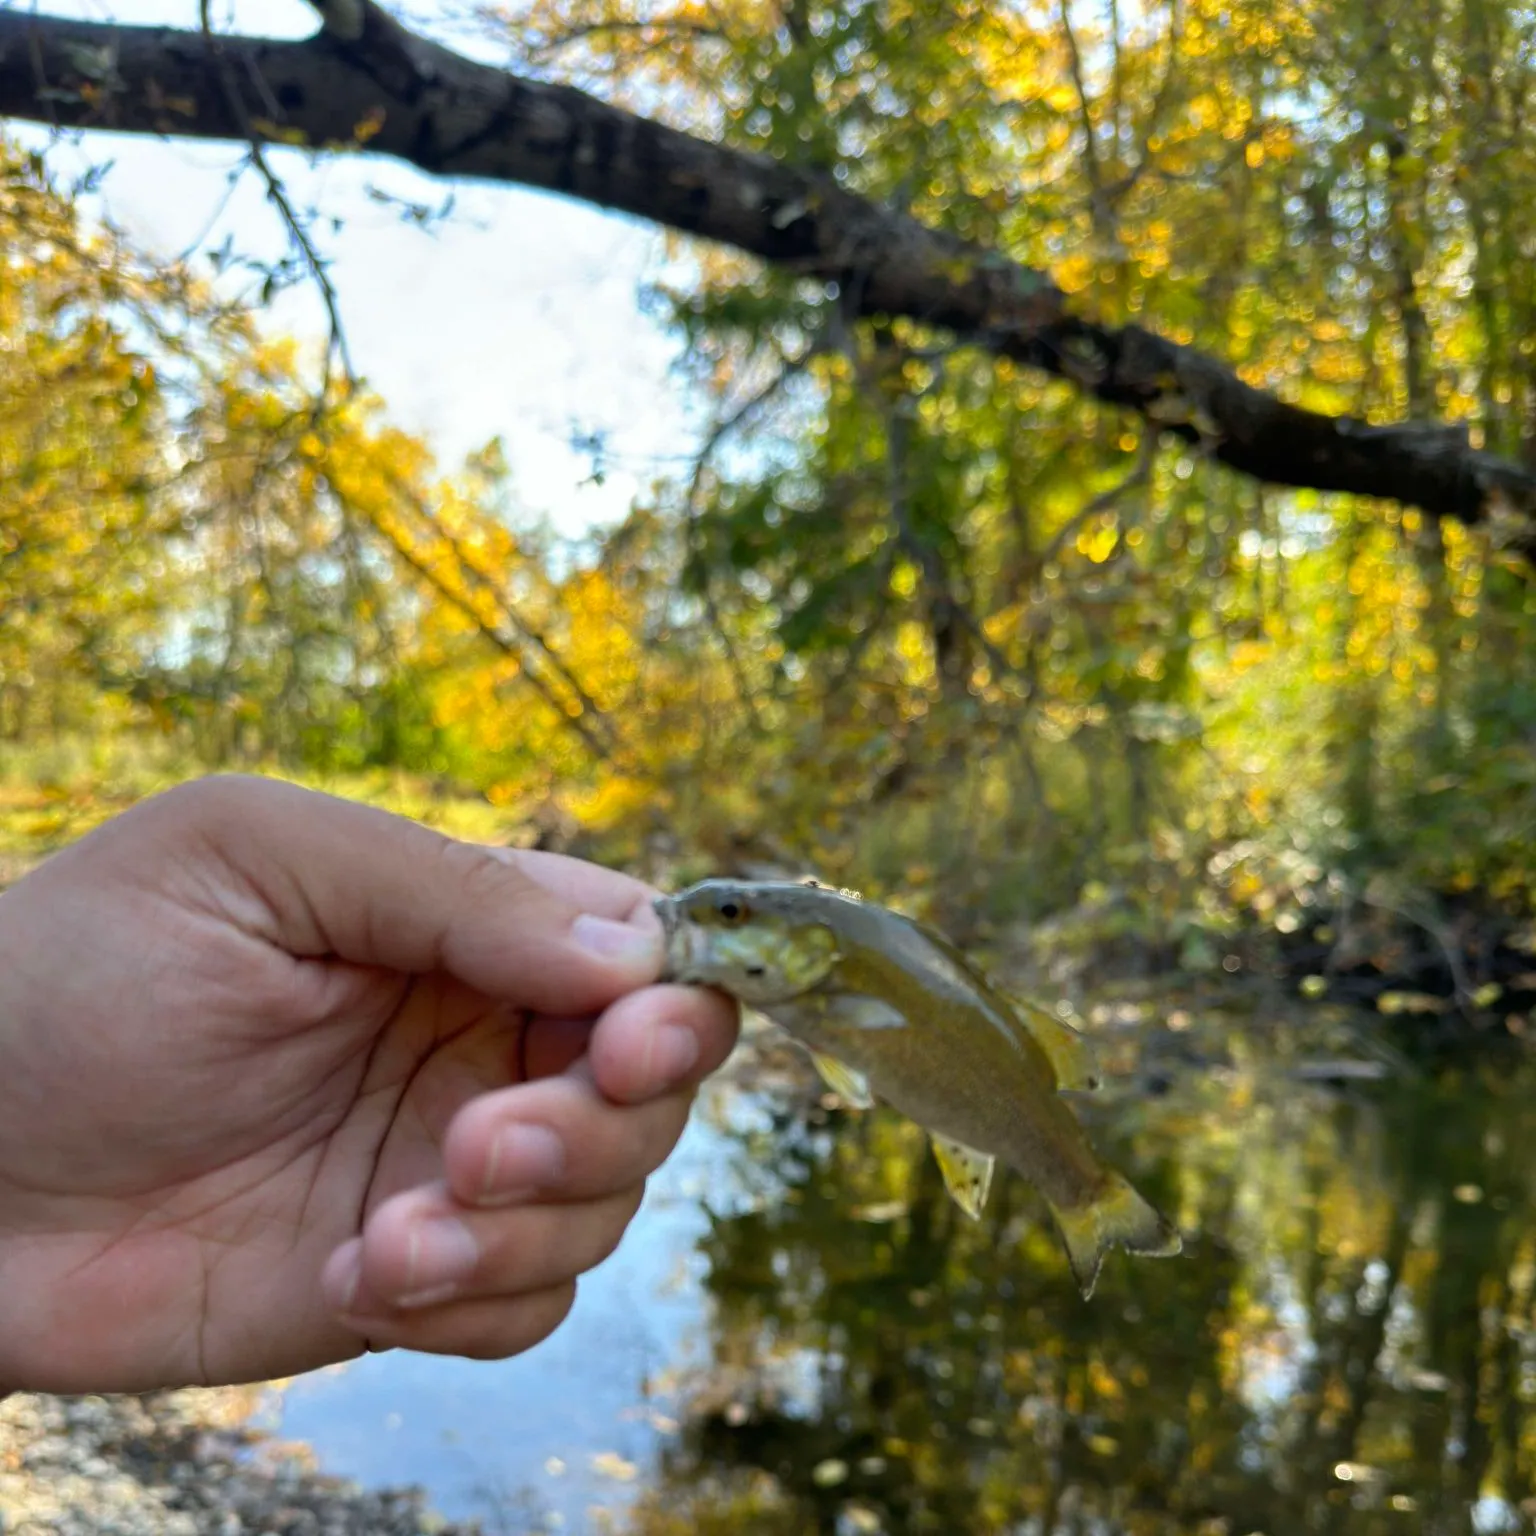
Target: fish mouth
column 681, row 940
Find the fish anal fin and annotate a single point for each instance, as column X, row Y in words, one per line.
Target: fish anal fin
column 850, row 1086
column 1117, row 1217
column 967, row 1173
column 1071, row 1054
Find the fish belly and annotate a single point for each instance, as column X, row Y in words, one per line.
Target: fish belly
column 974, row 1092
column 978, row 1093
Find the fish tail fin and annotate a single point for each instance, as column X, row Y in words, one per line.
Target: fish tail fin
column 1117, row 1215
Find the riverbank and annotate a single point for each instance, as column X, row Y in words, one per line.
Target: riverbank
column 179, row 1464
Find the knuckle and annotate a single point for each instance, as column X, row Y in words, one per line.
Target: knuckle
column 209, row 798
column 484, row 871
column 480, row 879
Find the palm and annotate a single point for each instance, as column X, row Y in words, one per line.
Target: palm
column 202, row 1107
column 261, row 1163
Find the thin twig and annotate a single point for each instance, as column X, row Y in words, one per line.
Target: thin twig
column 507, row 645
column 336, row 341
column 1085, row 112
column 542, row 53
column 195, row 244
column 298, row 234
column 1104, row 500
column 530, row 633
column 1154, row 119
column 693, row 515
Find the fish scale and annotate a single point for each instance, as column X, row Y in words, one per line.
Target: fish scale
column 892, row 1009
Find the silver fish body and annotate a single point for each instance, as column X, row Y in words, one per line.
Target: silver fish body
column 889, row 1008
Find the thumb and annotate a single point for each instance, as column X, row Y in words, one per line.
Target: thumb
column 317, row 875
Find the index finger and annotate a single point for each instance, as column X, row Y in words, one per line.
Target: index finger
column 591, row 887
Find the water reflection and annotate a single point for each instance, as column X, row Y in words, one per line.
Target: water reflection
column 1345, row 1347
column 559, row 1438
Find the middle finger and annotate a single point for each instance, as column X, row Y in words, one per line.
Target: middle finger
column 557, row 1139
column 422, row 1249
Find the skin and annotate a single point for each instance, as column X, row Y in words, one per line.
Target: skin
column 965, row 1068
column 284, row 1079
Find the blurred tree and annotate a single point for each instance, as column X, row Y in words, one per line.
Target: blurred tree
column 995, row 98
column 1014, row 572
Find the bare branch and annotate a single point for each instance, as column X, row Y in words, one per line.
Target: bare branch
column 1084, row 108
column 692, row 503
column 453, row 117
column 277, row 195
column 654, row 29
column 1154, row 121
column 586, row 718
column 1103, row 501
column 503, row 642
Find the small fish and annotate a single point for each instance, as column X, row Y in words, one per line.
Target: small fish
column 890, row 1008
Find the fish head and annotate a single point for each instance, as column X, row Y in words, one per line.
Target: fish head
column 754, row 939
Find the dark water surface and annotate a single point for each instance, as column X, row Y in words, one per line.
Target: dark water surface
column 801, row 1334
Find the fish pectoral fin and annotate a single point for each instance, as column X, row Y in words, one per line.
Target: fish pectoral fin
column 850, row 1086
column 854, row 1010
column 1071, row 1054
column 1117, row 1216
column 967, row 1172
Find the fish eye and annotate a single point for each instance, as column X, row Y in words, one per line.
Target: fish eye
column 732, row 911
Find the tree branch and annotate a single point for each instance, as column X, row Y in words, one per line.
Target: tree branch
column 298, row 234
column 367, row 80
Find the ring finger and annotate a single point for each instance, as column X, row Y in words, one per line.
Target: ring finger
column 421, row 1250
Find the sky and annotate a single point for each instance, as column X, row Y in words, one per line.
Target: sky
column 517, row 318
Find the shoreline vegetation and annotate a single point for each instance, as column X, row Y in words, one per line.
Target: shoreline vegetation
column 1443, row 969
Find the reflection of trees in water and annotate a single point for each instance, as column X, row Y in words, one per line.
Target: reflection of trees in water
column 1346, row 1346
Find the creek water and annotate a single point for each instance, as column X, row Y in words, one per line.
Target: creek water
column 801, row 1334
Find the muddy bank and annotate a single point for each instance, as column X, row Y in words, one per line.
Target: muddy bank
column 178, row 1464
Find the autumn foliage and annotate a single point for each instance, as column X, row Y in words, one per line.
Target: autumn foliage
column 921, row 619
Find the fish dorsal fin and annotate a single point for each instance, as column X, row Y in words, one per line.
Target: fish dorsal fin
column 850, row 1086
column 1071, row 1055
column 967, row 1173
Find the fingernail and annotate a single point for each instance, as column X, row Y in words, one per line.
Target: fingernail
column 344, row 1274
column 523, row 1158
column 615, row 941
column 674, row 1050
column 443, row 1253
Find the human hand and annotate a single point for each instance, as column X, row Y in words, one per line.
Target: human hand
column 284, row 1077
